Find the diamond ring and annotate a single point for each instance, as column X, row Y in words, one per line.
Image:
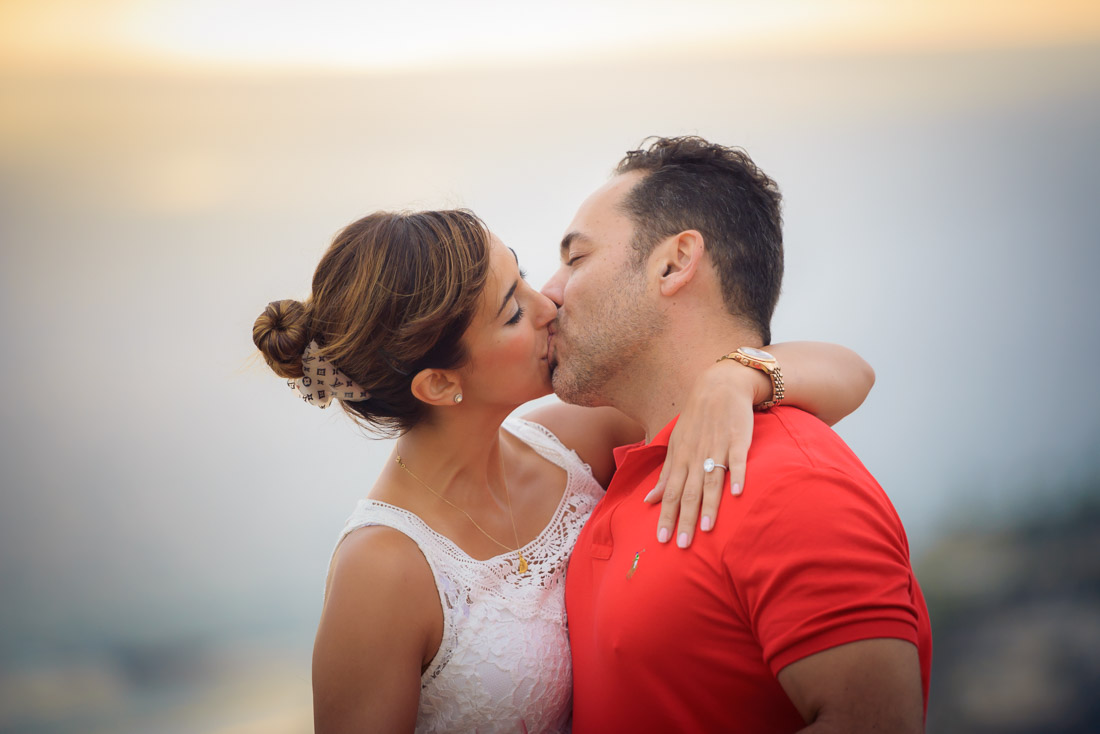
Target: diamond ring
column 709, row 464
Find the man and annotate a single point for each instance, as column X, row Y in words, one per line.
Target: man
column 799, row 611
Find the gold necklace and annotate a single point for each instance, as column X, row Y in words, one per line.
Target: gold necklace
column 522, row 560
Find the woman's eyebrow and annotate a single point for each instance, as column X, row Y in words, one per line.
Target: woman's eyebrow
column 507, row 297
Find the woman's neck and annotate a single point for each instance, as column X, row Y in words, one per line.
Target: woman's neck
column 457, row 455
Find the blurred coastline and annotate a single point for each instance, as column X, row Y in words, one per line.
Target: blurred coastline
column 1016, row 625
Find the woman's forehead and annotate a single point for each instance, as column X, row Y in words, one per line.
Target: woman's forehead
column 503, row 273
column 503, row 262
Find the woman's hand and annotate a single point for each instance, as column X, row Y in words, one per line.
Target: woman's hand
column 716, row 423
column 827, row 380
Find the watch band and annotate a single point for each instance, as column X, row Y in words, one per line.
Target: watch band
column 766, row 363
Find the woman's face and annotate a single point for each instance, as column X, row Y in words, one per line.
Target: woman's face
column 508, row 338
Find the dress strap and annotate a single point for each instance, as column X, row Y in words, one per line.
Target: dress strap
column 546, row 444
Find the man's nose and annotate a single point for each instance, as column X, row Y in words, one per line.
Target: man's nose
column 555, row 286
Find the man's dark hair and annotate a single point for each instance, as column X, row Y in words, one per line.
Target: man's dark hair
column 692, row 184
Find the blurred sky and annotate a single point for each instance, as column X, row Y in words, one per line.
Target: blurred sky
column 167, row 168
column 350, row 34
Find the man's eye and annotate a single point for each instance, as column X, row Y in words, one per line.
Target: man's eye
column 570, row 261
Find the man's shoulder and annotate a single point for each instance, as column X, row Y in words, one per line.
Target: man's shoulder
column 787, row 439
column 796, row 461
column 801, row 474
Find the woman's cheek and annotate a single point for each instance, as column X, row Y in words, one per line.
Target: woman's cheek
column 517, row 352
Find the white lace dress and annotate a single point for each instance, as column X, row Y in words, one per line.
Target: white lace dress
column 503, row 664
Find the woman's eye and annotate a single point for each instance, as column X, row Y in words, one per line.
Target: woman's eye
column 515, row 319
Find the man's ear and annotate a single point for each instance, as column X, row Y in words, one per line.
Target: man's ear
column 677, row 259
column 436, row 387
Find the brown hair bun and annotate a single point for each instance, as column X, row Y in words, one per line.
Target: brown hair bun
column 393, row 295
column 281, row 333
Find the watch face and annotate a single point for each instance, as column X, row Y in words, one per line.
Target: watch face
column 756, row 354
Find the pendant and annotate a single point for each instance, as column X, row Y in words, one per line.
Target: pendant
column 522, row 562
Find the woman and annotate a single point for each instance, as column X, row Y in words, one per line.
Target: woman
column 444, row 606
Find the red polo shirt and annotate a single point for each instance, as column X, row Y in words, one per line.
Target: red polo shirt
column 812, row 556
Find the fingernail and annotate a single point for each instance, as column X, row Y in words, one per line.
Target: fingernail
column 662, row 535
column 651, row 496
column 735, row 489
column 682, row 541
column 705, row 524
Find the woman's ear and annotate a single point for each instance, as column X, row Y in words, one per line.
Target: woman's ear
column 436, row 387
column 678, row 259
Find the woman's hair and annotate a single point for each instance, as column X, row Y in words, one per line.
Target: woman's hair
column 393, row 295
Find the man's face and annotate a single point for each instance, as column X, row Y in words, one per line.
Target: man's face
column 607, row 314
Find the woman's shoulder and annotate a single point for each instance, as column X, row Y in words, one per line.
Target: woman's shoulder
column 379, row 558
column 591, row 432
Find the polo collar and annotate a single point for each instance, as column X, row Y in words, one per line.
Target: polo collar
column 659, row 442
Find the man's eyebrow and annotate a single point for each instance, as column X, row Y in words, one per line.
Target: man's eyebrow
column 507, row 297
column 567, row 241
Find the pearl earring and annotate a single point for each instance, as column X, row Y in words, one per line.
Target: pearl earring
column 458, row 397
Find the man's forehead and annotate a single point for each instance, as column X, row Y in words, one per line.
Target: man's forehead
column 601, row 206
column 613, row 191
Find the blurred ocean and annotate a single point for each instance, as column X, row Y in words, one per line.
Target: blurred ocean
column 168, row 508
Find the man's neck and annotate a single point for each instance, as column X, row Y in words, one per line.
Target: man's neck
column 655, row 391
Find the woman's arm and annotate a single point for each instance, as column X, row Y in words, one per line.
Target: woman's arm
column 827, row 380
column 592, row 432
column 381, row 624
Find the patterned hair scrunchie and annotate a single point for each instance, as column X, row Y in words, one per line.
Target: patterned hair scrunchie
column 322, row 381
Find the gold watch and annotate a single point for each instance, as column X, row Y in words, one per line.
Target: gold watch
column 758, row 359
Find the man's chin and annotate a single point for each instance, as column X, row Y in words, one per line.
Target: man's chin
column 568, row 391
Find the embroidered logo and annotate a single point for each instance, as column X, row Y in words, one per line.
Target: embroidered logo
column 634, row 565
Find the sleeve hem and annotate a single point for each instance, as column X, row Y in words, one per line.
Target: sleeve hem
column 891, row 629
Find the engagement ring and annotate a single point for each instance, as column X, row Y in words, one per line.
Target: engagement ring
column 709, row 464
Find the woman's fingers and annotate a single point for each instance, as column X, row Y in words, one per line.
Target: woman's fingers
column 658, row 490
column 709, row 494
column 691, row 498
column 738, row 440
column 670, row 504
column 712, row 496
column 690, row 495
column 737, row 460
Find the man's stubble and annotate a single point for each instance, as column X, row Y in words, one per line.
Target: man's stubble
column 605, row 346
